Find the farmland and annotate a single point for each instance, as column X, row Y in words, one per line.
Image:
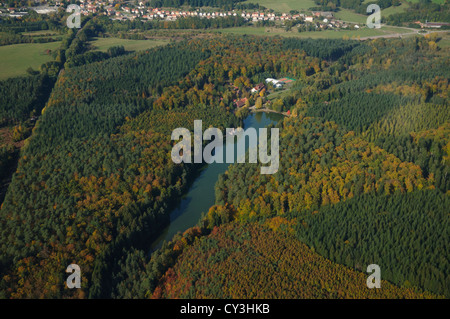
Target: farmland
column 285, row 6
column 327, row 34
column 15, row 59
column 102, row 44
column 350, row 16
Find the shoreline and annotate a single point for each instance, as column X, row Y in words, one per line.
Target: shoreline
column 254, row 110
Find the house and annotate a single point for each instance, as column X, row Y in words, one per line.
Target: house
column 326, row 14
column 258, row 88
column 309, row 19
column 241, row 102
column 278, row 84
column 435, row 24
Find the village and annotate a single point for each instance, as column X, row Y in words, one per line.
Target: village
column 140, row 10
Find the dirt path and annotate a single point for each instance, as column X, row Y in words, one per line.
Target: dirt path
column 401, row 35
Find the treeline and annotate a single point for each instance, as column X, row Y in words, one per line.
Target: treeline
column 24, row 26
column 106, row 25
column 422, row 11
column 75, row 49
column 18, row 3
column 13, row 38
column 33, row 22
column 95, row 56
column 23, row 97
column 195, row 23
column 358, row 6
column 250, row 6
column 321, row 48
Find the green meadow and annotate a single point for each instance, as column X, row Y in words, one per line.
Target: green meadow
column 41, row 33
column 15, row 59
column 102, row 44
column 350, row 16
column 392, row 10
column 285, row 5
column 329, row 34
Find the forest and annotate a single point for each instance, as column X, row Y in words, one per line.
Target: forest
column 97, row 115
column 69, row 134
column 32, row 22
column 370, row 187
column 95, row 184
column 276, row 265
column 405, row 233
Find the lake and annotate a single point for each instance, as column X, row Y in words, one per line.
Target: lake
column 201, row 195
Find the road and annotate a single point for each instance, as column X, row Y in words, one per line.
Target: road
column 401, row 35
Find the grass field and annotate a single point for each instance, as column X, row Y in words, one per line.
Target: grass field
column 392, row 10
column 391, row 29
column 285, row 5
column 40, row 33
column 17, row 58
column 330, row 34
column 350, row 16
column 102, row 44
column 444, row 42
column 278, row 94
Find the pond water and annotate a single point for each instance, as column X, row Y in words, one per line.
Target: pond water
column 201, row 195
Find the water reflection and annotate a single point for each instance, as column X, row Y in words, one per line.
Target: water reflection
column 201, row 195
